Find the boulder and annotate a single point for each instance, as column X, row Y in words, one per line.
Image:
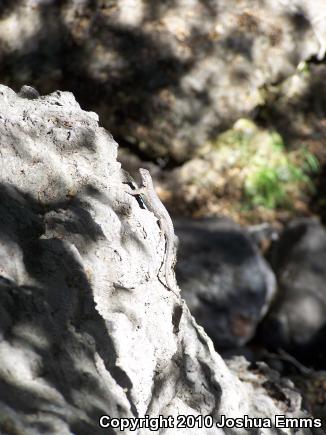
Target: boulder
column 164, row 76
column 227, row 284
column 88, row 333
column 297, row 319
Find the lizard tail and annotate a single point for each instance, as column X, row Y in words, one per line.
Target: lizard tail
column 170, row 281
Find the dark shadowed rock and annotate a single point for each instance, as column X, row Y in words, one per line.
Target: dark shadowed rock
column 297, row 321
column 227, row 284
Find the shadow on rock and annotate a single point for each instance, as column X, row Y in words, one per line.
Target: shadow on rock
column 297, row 320
column 49, row 325
column 227, row 284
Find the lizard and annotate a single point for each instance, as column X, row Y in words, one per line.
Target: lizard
column 155, row 205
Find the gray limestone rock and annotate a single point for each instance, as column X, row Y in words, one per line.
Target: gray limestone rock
column 86, row 327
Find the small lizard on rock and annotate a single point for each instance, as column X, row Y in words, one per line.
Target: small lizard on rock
column 155, row 205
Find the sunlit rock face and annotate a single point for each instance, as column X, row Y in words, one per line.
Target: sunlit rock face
column 87, row 328
column 165, row 76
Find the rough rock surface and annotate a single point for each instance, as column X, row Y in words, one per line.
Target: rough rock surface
column 297, row 320
column 227, row 284
column 310, row 382
column 167, row 75
column 87, row 329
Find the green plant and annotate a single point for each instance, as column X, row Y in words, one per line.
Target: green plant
column 271, row 186
column 257, row 160
column 310, row 162
column 264, row 188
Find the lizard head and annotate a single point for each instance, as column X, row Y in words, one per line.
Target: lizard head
column 146, row 176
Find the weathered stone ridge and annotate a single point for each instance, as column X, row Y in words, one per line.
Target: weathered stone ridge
column 86, row 327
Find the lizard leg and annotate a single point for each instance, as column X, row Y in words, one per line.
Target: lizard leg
column 139, row 191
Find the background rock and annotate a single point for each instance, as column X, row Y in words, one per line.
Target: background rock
column 297, row 319
column 310, row 382
column 165, row 77
column 228, row 286
column 247, row 174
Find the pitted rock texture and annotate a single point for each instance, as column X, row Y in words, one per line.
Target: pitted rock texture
column 166, row 75
column 86, row 327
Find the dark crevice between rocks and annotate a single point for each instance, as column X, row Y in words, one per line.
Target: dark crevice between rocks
column 318, row 200
column 214, row 385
